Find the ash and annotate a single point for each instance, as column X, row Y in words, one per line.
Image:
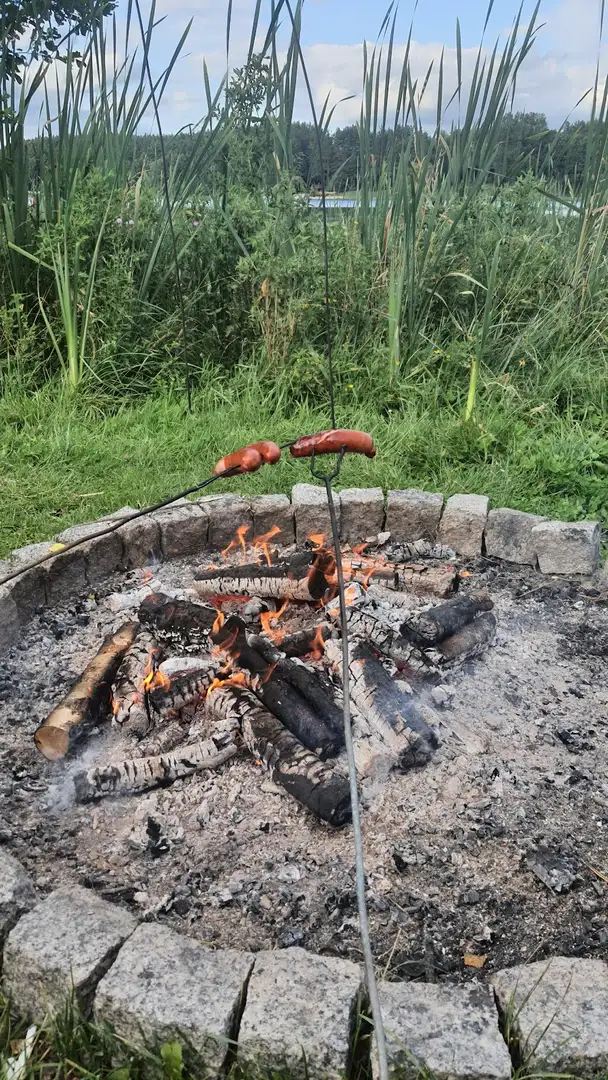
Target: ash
column 496, row 850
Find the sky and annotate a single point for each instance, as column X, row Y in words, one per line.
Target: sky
column 557, row 73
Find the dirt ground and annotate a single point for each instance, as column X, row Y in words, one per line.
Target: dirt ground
column 521, row 775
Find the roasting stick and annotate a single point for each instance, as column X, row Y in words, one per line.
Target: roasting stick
column 247, row 460
column 341, row 442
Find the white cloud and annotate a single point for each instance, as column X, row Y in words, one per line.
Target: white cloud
column 557, row 73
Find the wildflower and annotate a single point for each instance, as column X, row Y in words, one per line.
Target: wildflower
column 522, row 363
column 196, row 223
column 437, row 352
column 350, row 386
column 130, row 221
column 119, row 221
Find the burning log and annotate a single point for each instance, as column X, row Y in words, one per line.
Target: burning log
column 311, row 575
column 141, row 774
column 88, row 697
column 417, row 578
column 128, row 703
column 394, row 727
column 301, row 773
column 283, row 699
column 436, row 623
column 167, row 695
column 301, row 577
column 314, row 686
column 177, row 622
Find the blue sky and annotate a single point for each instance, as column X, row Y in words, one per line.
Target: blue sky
column 559, row 70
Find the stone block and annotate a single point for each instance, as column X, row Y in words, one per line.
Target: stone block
column 463, row 523
column 166, row 986
column 557, row 1010
column 16, row 895
column 567, row 547
column 227, row 513
column 271, row 510
column 184, row 529
column 448, row 1032
column 300, row 1014
column 141, row 542
column 65, row 578
column 64, row 575
column 103, row 554
column 9, row 617
column 66, row 942
column 29, row 593
column 311, row 512
column 361, row 513
column 508, row 535
column 413, row 515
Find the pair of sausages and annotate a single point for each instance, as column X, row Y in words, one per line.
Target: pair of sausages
column 249, row 459
column 252, row 457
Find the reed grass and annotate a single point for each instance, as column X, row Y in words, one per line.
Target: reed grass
column 468, row 314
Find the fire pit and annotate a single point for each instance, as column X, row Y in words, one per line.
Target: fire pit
column 195, row 770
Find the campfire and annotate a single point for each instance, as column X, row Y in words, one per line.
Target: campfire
column 255, row 666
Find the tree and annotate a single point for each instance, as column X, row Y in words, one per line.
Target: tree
column 36, row 29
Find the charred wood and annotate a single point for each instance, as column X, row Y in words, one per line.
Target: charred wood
column 177, row 622
column 305, row 641
column 301, row 773
column 303, row 576
column 469, row 642
column 141, row 774
column 88, row 698
column 128, row 705
column 184, row 688
column 444, row 620
column 313, row 685
column 366, row 625
column 393, row 722
column 273, row 689
column 417, row 578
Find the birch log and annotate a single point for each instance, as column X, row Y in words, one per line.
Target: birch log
column 88, row 698
column 141, row 774
column 301, row 773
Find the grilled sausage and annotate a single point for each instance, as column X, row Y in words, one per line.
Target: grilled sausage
column 246, row 460
column 269, row 450
column 331, row 442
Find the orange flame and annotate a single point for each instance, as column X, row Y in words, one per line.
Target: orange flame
column 317, row 540
column 237, row 541
column 261, row 542
column 154, row 678
column 360, row 548
column 267, row 618
column 318, row 644
column 219, row 622
column 146, row 576
column 237, row 678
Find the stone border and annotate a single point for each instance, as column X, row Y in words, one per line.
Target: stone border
column 463, row 523
column 151, row 984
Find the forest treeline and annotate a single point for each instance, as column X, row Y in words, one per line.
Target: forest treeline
column 526, row 145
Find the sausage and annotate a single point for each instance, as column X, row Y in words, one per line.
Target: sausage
column 331, row 442
column 269, row 450
column 241, row 461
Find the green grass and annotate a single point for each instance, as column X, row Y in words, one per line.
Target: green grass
column 64, row 461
